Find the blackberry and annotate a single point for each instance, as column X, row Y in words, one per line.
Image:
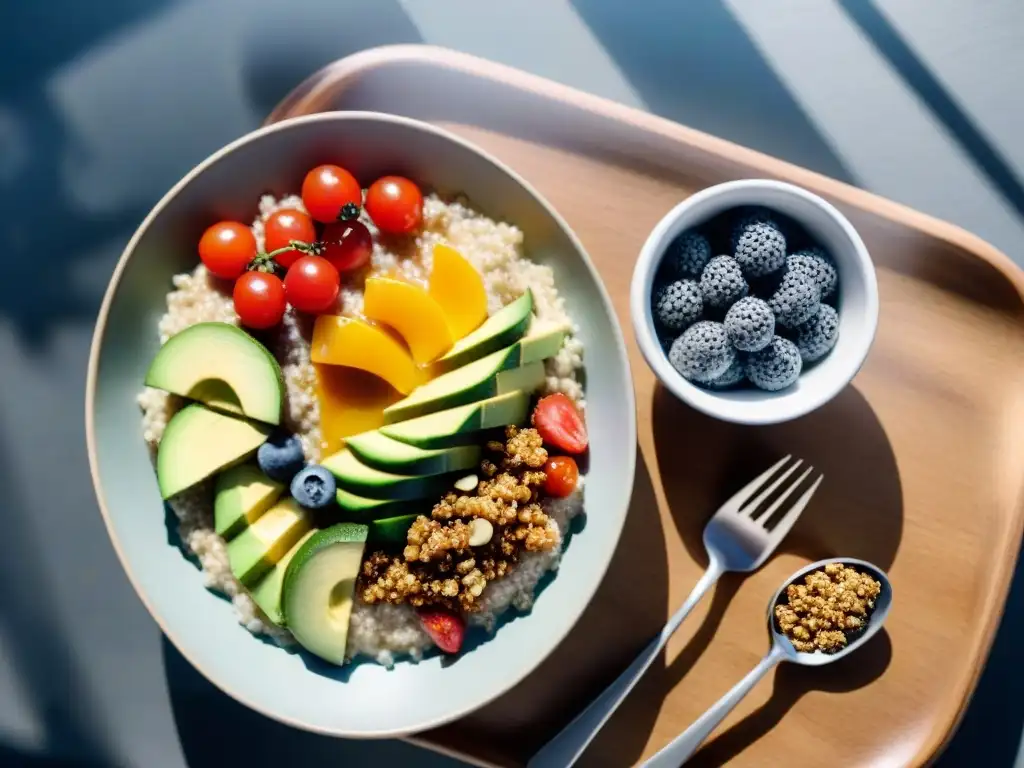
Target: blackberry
column 750, row 324
column 678, row 305
column 722, row 283
column 760, row 248
column 703, row 352
column 733, row 375
column 688, row 254
column 796, row 300
column 776, row 366
column 815, row 264
column 816, row 337
column 747, row 216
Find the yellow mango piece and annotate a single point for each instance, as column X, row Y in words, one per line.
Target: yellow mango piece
column 458, row 288
column 351, row 401
column 344, row 341
column 412, row 312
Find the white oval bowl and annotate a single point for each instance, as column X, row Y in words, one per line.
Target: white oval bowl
column 857, row 304
column 364, row 700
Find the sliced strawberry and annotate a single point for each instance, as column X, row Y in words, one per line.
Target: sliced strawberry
column 445, row 628
column 560, row 424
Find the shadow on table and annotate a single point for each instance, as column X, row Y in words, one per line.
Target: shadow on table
column 791, row 683
column 857, row 511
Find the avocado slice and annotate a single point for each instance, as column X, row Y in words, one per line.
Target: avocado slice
column 480, row 379
column 459, row 426
column 319, row 586
column 379, row 451
column 222, row 366
column 504, row 328
column 262, row 545
column 359, row 509
column 241, row 495
column 390, row 530
column 356, row 477
column 198, row 442
column 267, row 593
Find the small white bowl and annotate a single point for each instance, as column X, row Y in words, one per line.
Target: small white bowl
column 857, row 301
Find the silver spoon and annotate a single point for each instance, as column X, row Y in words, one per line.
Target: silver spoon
column 686, row 743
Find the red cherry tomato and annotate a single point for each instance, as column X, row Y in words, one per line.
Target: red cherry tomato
column 311, row 284
column 395, row 204
column 259, row 299
column 562, row 476
column 347, row 244
column 328, row 188
column 226, row 249
column 560, row 424
column 283, row 226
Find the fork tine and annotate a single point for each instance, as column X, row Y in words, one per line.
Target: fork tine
column 791, row 517
column 770, row 489
column 767, row 514
column 737, row 499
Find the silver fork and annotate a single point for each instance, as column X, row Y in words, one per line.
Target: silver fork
column 735, row 541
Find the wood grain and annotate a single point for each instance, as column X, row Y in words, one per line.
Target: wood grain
column 922, row 456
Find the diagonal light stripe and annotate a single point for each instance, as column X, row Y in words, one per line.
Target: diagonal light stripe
column 959, row 41
column 879, row 128
column 545, row 37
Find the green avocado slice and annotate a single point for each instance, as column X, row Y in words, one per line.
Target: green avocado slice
column 223, row 367
column 379, row 451
column 503, row 328
column 267, row 593
column 460, row 426
column 484, row 378
column 358, row 478
column 319, row 586
column 241, row 494
column 199, row 442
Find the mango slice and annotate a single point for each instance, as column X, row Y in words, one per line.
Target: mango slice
column 344, row 341
column 458, row 288
column 412, row 312
column 351, row 402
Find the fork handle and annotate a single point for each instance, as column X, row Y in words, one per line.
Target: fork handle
column 565, row 748
column 685, row 744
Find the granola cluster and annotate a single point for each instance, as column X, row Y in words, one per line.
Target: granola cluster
column 438, row 565
column 832, row 601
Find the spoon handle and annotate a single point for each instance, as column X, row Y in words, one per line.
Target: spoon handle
column 565, row 748
column 685, row 744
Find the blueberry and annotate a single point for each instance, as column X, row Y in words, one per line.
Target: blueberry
column 281, row 456
column 314, row 487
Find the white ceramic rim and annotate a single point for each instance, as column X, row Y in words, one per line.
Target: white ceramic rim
column 575, row 611
column 704, row 400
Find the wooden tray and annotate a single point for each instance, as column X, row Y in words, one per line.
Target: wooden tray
column 923, row 456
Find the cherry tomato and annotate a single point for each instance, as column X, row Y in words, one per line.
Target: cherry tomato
column 395, row 204
column 347, row 244
column 259, row 299
column 562, row 476
column 226, row 249
column 326, row 189
column 283, row 226
column 560, row 424
column 311, row 284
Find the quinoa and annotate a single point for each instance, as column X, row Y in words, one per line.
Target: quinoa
column 384, row 631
